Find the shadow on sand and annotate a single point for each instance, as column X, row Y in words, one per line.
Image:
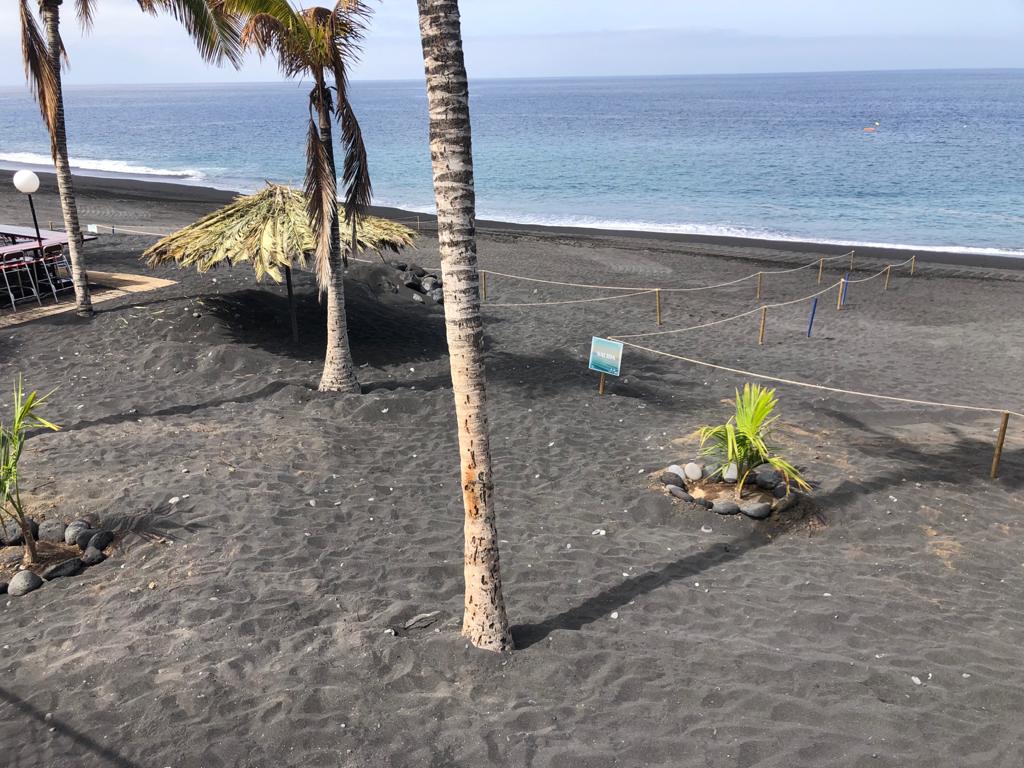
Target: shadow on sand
column 601, row 604
column 83, row 743
column 964, row 459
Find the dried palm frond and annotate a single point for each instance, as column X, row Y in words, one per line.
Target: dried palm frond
column 270, row 230
column 321, row 200
column 41, row 78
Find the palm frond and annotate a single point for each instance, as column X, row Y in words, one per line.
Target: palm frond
column 84, row 9
column 358, row 189
column 263, row 31
column 210, row 23
column 744, row 439
column 38, row 71
column 269, row 230
column 321, row 201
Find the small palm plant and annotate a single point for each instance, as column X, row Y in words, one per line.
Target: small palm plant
column 743, row 439
column 12, row 443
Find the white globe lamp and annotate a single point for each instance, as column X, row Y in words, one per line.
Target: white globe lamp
column 26, row 182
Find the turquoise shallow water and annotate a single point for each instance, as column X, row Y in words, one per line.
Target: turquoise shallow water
column 778, row 156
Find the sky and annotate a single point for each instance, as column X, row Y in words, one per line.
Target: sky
column 546, row 38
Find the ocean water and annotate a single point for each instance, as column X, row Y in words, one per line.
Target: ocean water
column 774, row 156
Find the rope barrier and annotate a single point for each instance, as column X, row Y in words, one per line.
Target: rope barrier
column 822, row 387
column 727, row 319
column 574, row 301
column 667, row 290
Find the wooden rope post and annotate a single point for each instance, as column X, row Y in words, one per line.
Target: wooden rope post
column 851, row 261
column 999, row 445
column 483, row 285
column 764, row 320
column 821, row 268
column 888, row 273
column 842, row 289
column 760, row 279
column 913, row 264
column 657, row 304
column 600, row 385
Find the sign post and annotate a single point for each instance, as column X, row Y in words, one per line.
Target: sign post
column 605, row 358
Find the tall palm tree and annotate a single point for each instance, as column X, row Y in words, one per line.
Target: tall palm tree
column 319, row 43
column 484, row 621
column 214, row 32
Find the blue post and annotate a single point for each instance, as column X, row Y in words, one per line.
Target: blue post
column 810, row 323
column 846, row 284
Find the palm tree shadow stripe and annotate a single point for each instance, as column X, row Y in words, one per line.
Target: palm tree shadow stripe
column 601, row 604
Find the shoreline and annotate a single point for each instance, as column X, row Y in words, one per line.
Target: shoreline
column 176, row 192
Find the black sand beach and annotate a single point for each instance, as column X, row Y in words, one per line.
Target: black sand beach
column 275, row 540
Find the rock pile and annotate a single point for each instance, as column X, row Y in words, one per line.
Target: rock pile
column 682, row 483
column 416, row 278
column 91, row 542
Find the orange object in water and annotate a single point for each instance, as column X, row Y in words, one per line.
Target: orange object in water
column 870, row 129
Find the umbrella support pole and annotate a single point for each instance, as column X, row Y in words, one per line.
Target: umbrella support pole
column 291, row 304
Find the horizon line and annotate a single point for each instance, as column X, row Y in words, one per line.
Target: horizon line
column 546, row 77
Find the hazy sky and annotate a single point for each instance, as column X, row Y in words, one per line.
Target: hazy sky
column 520, row 38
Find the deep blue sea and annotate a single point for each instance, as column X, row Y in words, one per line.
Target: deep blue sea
column 777, row 156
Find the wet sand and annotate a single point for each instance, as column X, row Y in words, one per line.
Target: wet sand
column 309, row 526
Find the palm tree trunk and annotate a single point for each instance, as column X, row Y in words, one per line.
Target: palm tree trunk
column 484, row 620
column 339, row 370
column 59, row 148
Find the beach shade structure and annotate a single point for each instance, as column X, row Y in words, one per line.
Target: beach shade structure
column 269, row 230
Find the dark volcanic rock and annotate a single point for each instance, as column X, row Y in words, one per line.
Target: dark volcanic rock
column 102, row 539
column 23, row 583
column 10, row 532
column 74, row 528
column 671, row 478
column 758, row 511
column 71, row 567
column 726, row 507
column 52, row 531
column 82, row 539
column 3, row 587
column 679, row 493
column 767, row 477
column 93, row 556
column 780, row 491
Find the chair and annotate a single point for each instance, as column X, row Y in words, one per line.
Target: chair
column 15, row 265
column 54, row 261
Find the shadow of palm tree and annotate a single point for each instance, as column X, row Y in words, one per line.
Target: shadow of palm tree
column 965, row 459
column 601, row 604
column 179, row 410
column 62, row 729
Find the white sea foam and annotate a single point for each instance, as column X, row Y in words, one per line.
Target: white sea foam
column 706, row 230
column 104, row 167
column 716, row 230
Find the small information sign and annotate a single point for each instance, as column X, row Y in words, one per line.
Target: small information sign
column 605, row 356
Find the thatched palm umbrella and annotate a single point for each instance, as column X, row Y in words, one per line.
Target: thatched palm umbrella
column 269, row 230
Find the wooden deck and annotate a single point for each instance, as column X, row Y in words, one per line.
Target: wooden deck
column 105, row 286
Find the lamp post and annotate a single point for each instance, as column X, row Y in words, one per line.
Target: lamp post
column 27, row 183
